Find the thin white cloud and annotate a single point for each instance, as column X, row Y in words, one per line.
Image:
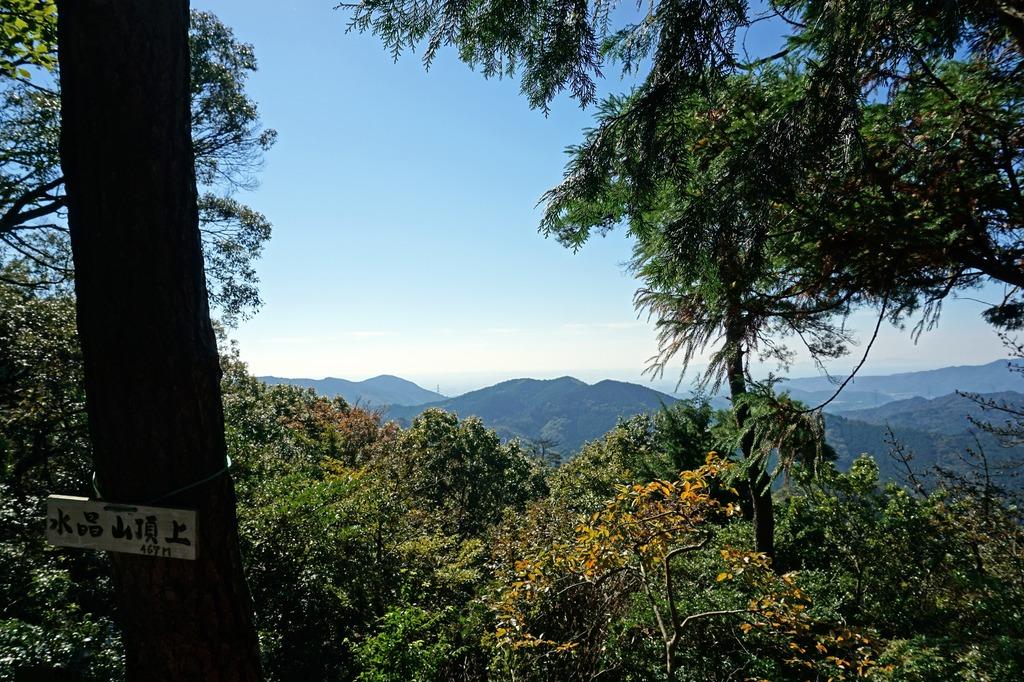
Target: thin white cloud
column 636, row 324
column 366, row 334
column 580, row 327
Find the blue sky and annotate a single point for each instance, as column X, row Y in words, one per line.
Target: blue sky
column 405, row 225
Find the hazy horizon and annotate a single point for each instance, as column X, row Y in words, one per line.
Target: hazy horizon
column 457, row 383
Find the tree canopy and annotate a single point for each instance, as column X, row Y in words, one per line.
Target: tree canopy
column 873, row 161
column 27, row 36
column 228, row 138
column 895, row 151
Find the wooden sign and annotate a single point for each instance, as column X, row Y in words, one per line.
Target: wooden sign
column 95, row 524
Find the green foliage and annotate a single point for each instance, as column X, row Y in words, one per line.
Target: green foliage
column 637, row 450
column 366, row 545
column 640, row 557
column 374, row 552
column 43, row 440
column 55, row 609
column 874, row 160
column 410, row 645
column 229, row 143
column 28, row 36
column 934, row 176
column 343, row 520
column 462, row 470
column 55, row 606
column 559, row 45
column 716, row 274
column 877, row 123
column 226, row 131
column 758, row 195
column 438, row 552
column 681, row 432
column 29, row 182
column 780, row 433
column 273, row 430
column 935, row 575
column 308, row 567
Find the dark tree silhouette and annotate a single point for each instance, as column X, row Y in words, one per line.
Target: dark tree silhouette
column 150, row 358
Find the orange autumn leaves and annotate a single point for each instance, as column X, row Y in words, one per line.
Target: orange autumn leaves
column 629, row 547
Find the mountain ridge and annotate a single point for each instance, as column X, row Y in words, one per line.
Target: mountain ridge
column 379, row 391
column 566, row 410
column 946, row 414
column 990, row 377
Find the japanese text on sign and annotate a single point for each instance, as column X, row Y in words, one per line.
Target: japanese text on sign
column 94, row 524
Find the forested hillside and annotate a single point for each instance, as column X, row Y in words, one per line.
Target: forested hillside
column 437, row 552
column 993, row 377
column 560, row 413
column 865, row 162
column 948, row 414
column 946, row 448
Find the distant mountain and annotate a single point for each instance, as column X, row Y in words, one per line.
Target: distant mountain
column 848, row 399
column 936, row 431
column 379, row 391
column 946, row 414
column 570, row 412
column 993, row 377
column 566, row 410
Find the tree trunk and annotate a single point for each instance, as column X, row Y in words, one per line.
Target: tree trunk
column 758, row 483
column 151, row 362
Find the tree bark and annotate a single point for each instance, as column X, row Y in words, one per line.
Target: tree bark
column 150, row 356
column 758, row 483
